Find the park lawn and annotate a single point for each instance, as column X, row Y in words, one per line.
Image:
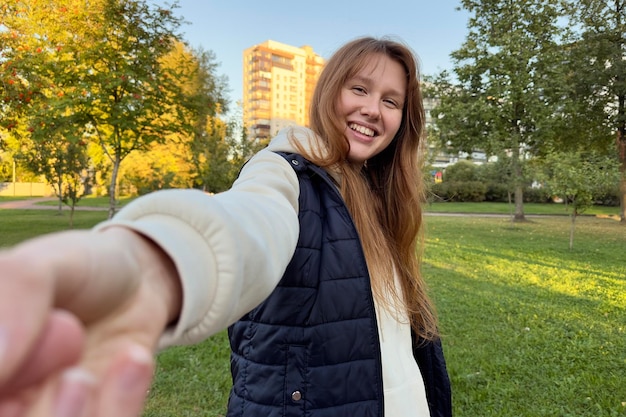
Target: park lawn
column 18, row 225
column 89, row 201
column 433, row 207
column 5, row 198
column 101, row 202
column 529, row 327
column 504, row 208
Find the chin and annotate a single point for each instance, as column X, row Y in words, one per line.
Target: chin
column 357, row 160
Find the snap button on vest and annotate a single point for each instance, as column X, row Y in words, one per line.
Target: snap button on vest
column 296, row 396
column 295, row 162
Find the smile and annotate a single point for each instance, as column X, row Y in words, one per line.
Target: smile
column 362, row 129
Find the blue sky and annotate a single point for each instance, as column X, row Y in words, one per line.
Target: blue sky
column 433, row 28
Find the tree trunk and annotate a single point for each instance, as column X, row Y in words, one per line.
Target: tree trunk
column 571, row 230
column 621, row 150
column 60, row 193
column 113, row 186
column 519, row 204
column 621, row 114
column 511, row 206
column 622, row 194
column 72, row 215
column 518, row 178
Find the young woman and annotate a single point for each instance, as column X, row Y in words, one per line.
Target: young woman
column 311, row 260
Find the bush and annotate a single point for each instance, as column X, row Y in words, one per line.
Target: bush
column 460, row 191
column 497, row 192
column 537, row 195
column 608, row 198
column 462, row 171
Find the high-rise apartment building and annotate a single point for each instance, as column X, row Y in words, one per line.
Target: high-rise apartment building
column 278, row 84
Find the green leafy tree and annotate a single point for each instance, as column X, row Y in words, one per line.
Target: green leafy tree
column 504, row 71
column 214, row 165
column 202, row 103
column 160, row 167
column 129, row 93
column 35, row 83
column 102, row 61
column 242, row 147
column 578, row 178
column 64, row 164
column 597, row 75
column 182, row 159
column 497, row 176
column 5, row 169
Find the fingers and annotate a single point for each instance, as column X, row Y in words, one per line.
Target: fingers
column 12, row 408
column 124, row 387
column 67, row 394
column 120, row 390
column 24, row 309
column 74, row 394
column 59, row 346
column 116, row 389
column 121, row 292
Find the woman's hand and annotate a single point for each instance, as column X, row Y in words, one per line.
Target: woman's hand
column 80, row 315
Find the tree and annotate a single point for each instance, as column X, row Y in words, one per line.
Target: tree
column 102, row 61
column 129, row 93
column 504, row 69
column 64, row 164
column 242, row 147
column 597, row 70
column 158, row 168
column 577, row 178
column 202, row 104
column 56, row 148
column 37, row 108
column 212, row 161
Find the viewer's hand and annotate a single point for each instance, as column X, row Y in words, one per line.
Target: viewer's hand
column 80, row 315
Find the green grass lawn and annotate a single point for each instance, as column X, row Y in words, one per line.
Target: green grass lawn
column 530, row 328
column 18, row 225
column 435, row 207
column 4, row 198
column 102, row 202
column 504, row 208
column 88, row 201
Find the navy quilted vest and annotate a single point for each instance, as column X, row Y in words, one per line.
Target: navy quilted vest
column 311, row 348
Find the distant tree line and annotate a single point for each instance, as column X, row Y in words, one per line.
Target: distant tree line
column 540, row 84
column 106, row 97
column 562, row 180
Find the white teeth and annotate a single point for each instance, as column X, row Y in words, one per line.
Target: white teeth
column 362, row 129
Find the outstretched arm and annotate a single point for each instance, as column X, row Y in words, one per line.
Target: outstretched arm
column 81, row 312
column 80, row 316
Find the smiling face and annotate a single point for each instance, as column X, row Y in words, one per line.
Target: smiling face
column 370, row 107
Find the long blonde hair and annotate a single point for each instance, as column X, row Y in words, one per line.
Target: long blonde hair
column 385, row 195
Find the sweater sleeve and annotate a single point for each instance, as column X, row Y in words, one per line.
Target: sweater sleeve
column 230, row 249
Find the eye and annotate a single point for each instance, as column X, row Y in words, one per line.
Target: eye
column 391, row 103
column 359, row 90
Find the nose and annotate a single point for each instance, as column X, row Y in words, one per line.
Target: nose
column 370, row 108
